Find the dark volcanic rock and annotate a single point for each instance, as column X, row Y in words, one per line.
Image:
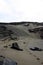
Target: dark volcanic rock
column 7, row 62
column 16, row 46
column 36, row 49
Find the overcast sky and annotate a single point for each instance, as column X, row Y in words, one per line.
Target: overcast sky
column 21, row 10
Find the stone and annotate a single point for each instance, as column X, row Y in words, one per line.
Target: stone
column 16, row 46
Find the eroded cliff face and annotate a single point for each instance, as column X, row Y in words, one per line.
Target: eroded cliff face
column 19, row 30
column 37, row 30
column 4, row 32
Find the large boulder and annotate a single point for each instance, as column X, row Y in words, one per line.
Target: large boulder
column 16, row 46
column 7, row 61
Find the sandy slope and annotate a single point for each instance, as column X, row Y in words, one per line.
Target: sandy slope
column 25, row 57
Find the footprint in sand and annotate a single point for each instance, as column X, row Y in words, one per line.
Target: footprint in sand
column 2, row 56
column 30, row 53
column 34, row 55
column 41, row 62
column 38, row 58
